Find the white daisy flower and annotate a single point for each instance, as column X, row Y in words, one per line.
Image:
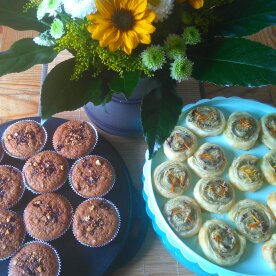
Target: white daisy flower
column 162, row 8
column 44, row 39
column 48, row 7
column 79, row 8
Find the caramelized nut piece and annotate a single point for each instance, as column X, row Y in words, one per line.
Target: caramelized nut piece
column 98, row 162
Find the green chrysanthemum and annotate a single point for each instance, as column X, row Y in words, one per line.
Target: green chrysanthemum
column 153, row 58
column 57, row 29
column 181, row 69
column 175, row 46
column 191, row 36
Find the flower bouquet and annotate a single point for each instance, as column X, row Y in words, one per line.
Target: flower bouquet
column 115, row 43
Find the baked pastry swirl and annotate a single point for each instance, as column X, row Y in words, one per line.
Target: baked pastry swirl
column 181, row 144
column 245, row 173
column 269, row 252
column 242, row 130
column 220, row 243
column 268, row 124
column 183, row 215
column 171, row 179
column 271, row 202
column 206, row 121
column 253, row 219
column 208, row 161
column 214, row 195
column 268, row 166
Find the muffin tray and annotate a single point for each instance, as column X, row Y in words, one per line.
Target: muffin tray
column 187, row 251
column 77, row 259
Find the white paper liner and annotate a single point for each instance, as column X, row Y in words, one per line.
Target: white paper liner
column 118, row 226
column 22, row 184
column 20, row 245
column 92, row 147
column 65, row 230
column 89, row 156
column 24, row 158
column 45, row 243
column 29, row 188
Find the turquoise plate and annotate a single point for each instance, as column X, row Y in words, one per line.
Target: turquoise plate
column 188, row 251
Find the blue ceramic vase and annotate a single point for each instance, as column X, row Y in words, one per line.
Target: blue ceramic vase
column 121, row 116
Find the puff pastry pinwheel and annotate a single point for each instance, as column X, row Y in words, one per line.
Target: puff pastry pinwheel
column 171, row 179
column 208, row 161
column 269, row 252
column 183, row 215
column 181, row 144
column 242, row 130
column 271, row 202
column 246, row 174
column 214, row 195
column 220, row 243
column 268, row 124
column 253, row 219
column 206, row 121
column 268, row 166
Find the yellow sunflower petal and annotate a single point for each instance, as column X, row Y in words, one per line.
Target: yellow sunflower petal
column 143, row 27
column 116, row 45
column 100, row 30
column 104, row 7
column 137, row 6
column 196, row 4
column 110, row 37
column 145, row 39
column 149, row 15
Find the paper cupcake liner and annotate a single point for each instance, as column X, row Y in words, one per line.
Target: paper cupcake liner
column 23, row 158
column 79, row 160
column 29, row 188
column 65, row 230
column 92, row 147
column 20, row 245
column 22, row 183
column 45, row 243
column 3, row 153
column 118, row 226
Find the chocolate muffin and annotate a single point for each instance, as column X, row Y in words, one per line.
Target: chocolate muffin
column 1, row 153
column 12, row 233
column 45, row 172
column 48, row 216
column 92, row 176
column 96, row 222
column 35, row 258
column 11, row 186
column 74, row 139
column 24, row 139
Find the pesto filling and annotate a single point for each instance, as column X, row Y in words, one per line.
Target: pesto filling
column 223, row 241
column 217, row 192
column 205, row 117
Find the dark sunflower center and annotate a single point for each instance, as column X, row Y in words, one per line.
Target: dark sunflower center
column 123, row 20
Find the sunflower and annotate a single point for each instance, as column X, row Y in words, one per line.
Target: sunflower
column 121, row 24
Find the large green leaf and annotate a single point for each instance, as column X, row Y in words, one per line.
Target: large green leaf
column 23, row 55
column 160, row 111
column 124, row 84
column 246, row 17
column 234, row 61
column 60, row 93
column 12, row 15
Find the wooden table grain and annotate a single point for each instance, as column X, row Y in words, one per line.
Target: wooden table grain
column 19, row 97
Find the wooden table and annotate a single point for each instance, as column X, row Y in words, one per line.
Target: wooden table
column 19, row 96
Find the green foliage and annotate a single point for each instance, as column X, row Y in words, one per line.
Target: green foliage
column 234, row 61
column 23, row 55
column 246, row 17
column 160, row 110
column 60, row 93
column 12, row 15
column 89, row 54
